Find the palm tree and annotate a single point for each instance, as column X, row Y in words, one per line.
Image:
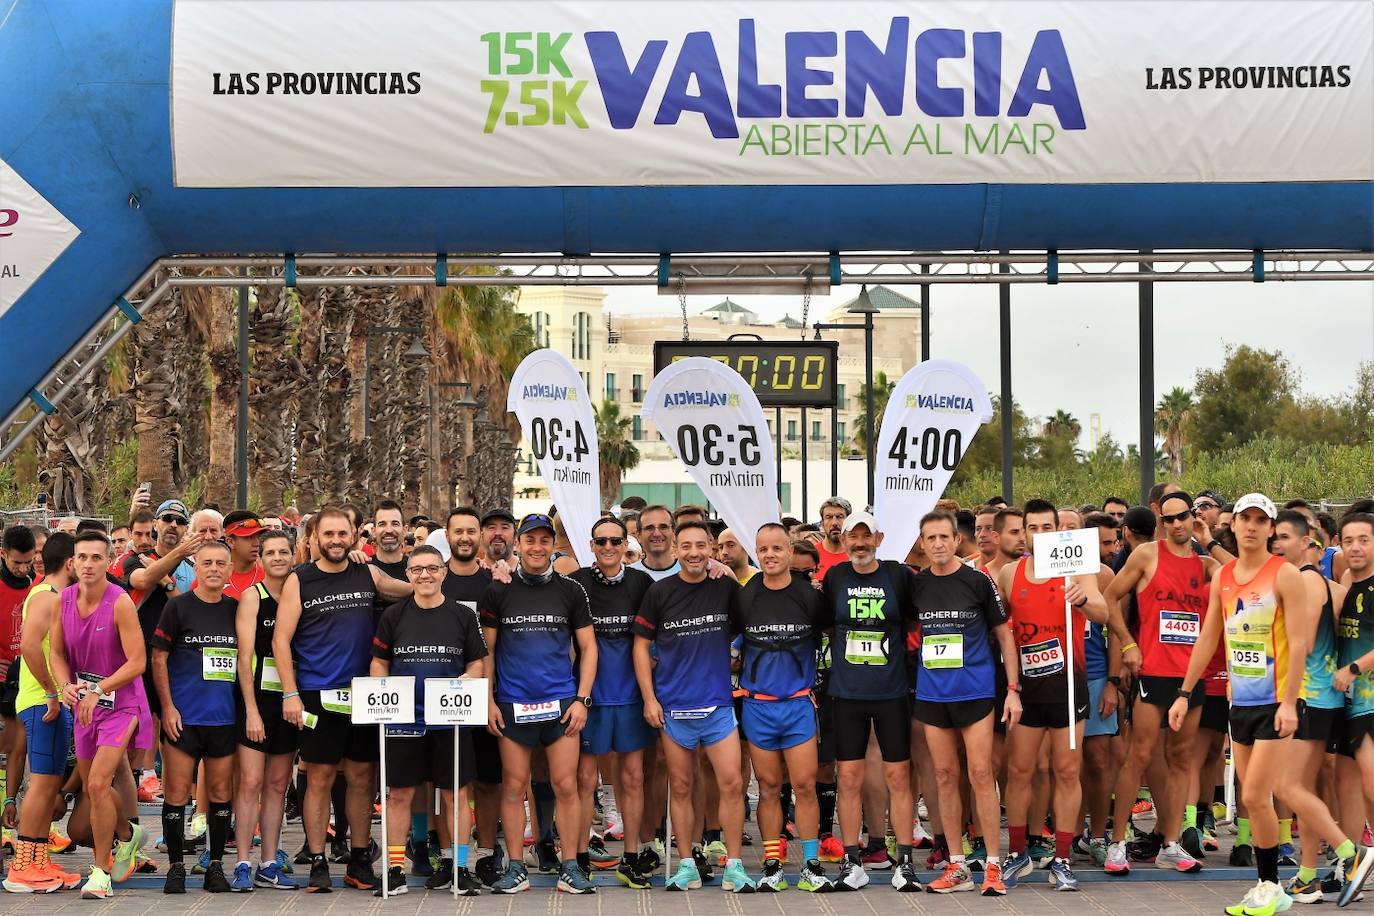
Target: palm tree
column 274, row 391
column 618, row 453
column 210, row 310
column 882, row 390
column 1171, row 418
column 1063, row 424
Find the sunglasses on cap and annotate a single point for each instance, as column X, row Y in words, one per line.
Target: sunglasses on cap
column 613, row 541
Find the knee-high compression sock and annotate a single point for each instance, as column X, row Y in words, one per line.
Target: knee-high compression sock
column 825, row 797
column 338, row 800
column 1242, row 831
column 219, row 828
column 174, row 831
column 543, row 808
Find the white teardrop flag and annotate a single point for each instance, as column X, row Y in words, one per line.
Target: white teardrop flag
column 549, row 398
column 931, row 417
column 712, row 421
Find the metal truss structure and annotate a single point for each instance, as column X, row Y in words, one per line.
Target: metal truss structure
column 672, row 275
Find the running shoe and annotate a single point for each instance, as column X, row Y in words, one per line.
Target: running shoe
column 686, row 878
column 772, row 880
column 320, row 882
column 1218, row 810
column 150, row 789
column 1242, row 856
column 649, row 862
column 1191, row 840
column 992, row 881
column 615, row 825
column 572, row 880
column 737, row 880
column 832, row 850
column 126, row 854
column 1097, row 851
column 1062, row 877
column 1174, row 858
column 705, row 867
column 1367, row 836
column 1083, row 847
column 1117, row 863
column 514, row 880
column 1040, row 851
column 202, row 862
column 1142, row 806
column 1356, row 871
column 904, row 877
column 395, row 883
column 814, row 880
column 302, row 856
column 283, row 862
column 1246, row 902
column 978, row 854
column 601, row 856
column 174, row 883
column 716, row 853
column 361, row 876
column 1287, row 856
column 1304, row 891
column 627, row 873
column 920, row 838
column 58, row 842
column 877, row 859
column 30, row 877
column 956, row 877
column 1269, row 899
column 418, row 854
column 465, row 882
column 196, row 835
column 242, row 882
column 65, row 879
column 271, row 876
column 1146, row 848
column 1015, row 867
column 546, row 857
column 441, row 878
column 852, row 876
column 937, row 859
column 215, row 880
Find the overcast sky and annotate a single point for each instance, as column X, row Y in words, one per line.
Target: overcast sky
column 1074, row 347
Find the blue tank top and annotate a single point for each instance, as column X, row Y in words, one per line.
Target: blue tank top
column 1317, row 688
column 333, row 640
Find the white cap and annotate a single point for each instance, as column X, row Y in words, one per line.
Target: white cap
column 1256, row 501
column 633, row 544
column 861, row 518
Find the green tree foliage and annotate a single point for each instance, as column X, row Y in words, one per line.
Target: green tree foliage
column 618, row 452
column 1241, row 400
column 882, row 390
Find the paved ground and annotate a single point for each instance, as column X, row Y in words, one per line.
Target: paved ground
column 1147, row 890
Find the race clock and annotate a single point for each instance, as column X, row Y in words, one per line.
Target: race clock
column 782, row 373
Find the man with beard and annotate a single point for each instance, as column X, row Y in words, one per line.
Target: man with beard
column 498, row 537
column 833, row 513
column 16, row 578
column 322, row 641
column 465, row 581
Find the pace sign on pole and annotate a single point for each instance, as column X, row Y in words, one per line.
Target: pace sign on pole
column 714, row 424
column 932, row 415
column 1067, row 554
column 456, row 701
column 383, row 701
column 549, row 398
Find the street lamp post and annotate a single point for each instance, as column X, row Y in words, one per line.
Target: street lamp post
column 863, row 305
column 464, row 403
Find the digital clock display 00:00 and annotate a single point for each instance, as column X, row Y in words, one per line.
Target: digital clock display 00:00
column 800, row 374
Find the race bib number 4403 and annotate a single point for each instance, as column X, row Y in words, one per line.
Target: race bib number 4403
column 1179, row 627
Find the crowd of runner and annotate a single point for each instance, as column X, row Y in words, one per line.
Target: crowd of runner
column 204, row 662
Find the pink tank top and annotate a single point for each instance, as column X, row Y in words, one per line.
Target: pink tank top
column 93, row 648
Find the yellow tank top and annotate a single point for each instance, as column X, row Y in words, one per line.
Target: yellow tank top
column 30, row 691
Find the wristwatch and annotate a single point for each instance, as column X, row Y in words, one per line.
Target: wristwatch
column 1185, row 694
column 1355, row 668
column 585, row 701
column 1114, row 681
column 1014, row 688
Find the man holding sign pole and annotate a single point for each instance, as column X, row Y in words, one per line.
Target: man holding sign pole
column 1049, row 639
column 428, row 635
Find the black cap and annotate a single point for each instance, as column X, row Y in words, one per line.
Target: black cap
column 1140, row 520
column 534, row 522
column 492, row 515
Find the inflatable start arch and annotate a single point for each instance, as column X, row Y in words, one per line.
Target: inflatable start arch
column 141, row 129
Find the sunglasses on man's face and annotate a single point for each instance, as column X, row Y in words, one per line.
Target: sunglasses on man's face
column 1204, row 506
column 1180, row 517
column 172, row 520
column 602, row 542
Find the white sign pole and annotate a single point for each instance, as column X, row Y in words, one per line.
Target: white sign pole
column 933, row 414
column 1068, row 554
column 549, row 398
column 383, row 701
column 456, row 701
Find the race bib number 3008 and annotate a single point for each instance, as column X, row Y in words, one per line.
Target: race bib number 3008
column 1043, row 658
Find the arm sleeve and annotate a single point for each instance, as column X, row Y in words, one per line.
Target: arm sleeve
column 386, row 630
column 165, row 632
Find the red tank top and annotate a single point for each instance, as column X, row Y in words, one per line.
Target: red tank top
column 1037, row 616
column 1172, row 608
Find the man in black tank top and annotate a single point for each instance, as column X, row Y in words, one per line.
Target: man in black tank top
column 323, row 640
